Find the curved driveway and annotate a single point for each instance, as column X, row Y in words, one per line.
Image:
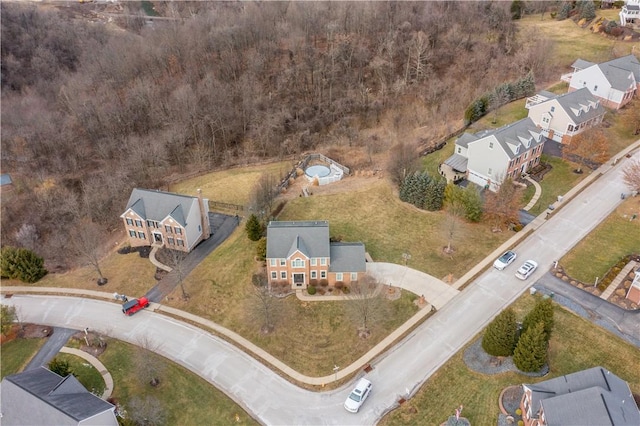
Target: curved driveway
column 397, row 373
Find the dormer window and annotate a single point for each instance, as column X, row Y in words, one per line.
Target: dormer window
column 459, row 150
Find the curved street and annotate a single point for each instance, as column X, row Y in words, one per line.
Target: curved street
column 396, row 373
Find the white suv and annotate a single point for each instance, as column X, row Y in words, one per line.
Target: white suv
column 358, row 395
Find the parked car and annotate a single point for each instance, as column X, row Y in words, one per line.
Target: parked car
column 505, row 260
column 526, row 269
column 358, row 395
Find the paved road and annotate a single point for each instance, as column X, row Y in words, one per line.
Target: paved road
column 52, row 346
column 397, row 373
column 222, row 226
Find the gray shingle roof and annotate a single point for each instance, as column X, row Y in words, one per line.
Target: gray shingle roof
column 310, row 237
column 515, row 135
column 579, row 100
column 590, row 397
column 457, row 162
column 63, row 394
column 581, row 64
column 465, row 138
column 157, row 205
column 617, row 71
column 347, row 257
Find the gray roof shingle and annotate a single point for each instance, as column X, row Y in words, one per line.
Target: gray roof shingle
column 590, row 397
column 347, row 257
column 65, row 394
column 617, row 71
column 310, row 237
column 157, row 205
column 580, row 100
column 514, row 135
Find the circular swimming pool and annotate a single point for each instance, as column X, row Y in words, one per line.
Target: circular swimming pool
column 317, row 171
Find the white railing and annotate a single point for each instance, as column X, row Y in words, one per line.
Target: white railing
column 566, row 77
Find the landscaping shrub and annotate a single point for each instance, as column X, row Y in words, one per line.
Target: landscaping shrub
column 60, row 367
column 324, row 283
column 21, row 264
column 313, row 282
column 261, row 249
column 531, row 352
column 253, row 228
column 500, row 336
column 339, row 285
column 542, row 312
column 311, row 290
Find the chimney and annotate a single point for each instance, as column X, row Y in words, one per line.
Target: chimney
column 204, row 216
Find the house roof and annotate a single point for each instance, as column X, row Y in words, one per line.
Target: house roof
column 5, row 179
column 465, row 138
column 581, row 64
column 64, row 394
column 347, row 257
column 590, row 397
column 580, row 105
column 310, row 237
column 457, row 162
column 515, row 135
column 157, row 205
column 617, row 71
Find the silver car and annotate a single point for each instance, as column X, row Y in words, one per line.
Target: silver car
column 505, row 260
column 358, row 395
column 526, row 269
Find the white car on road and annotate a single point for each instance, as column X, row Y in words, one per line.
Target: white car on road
column 526, row 269
column 505, row 260
column 358, row 395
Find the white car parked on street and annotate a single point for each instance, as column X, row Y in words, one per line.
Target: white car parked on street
column 505, row 260
column 526, row 269
column 358, row 396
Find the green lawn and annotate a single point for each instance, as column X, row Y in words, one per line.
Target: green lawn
column 85, row 373
column 556, row 182
column 576, row 344
column 16, row 354
column 587, row 260
column 186, row 398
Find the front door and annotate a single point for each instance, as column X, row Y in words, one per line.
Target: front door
column 298, row 280
column 157, row 238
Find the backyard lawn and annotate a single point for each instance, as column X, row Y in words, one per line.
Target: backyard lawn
column 618, row 233
column 576, row 344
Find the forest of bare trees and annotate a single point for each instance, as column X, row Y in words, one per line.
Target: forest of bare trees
column 90, row 111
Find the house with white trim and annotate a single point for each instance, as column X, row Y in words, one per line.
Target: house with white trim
column 613, row 82
column 164, row 219
column 563, row 116
column 301, row 253
column 630, row 12
column 488, row 157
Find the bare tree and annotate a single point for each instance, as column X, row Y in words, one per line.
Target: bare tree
column 86, row 245
column 631, row 175
column 502, row 207
column 402, row 162
column 27, row 236
column 176, row 260
column 264, row 195
column 146, row 411
column 455, row 211
column 365, row 304
column 8, row 315
column 588, row 148
column 149, row 369
column 266, row 309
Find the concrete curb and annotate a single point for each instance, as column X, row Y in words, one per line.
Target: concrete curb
column 106, row 376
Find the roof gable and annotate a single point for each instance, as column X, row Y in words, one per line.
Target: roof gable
column 515, row 138
column 308, row 237
column 158, row 205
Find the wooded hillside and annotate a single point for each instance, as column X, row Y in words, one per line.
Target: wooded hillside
column 89, row 111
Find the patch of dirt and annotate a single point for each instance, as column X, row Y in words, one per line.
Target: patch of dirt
column 96, row 345
column 354, row 183
column 27, row 331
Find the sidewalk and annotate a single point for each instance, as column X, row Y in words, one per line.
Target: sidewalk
column 106, row 376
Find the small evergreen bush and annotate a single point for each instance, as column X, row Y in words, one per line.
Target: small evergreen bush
column 311, row 290
column 21, row 264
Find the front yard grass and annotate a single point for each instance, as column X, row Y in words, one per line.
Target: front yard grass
column 16, row 353
column 620, row 235
column 576, row 344
column 558, row 181
column 186, row 398
column 86, row 373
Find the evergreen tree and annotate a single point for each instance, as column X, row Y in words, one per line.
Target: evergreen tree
column 587, row 10
column 472, row 204
column 21, row 264
column 516, row 9
column 541, row 312
column 565, row 10
column 414, row 188
column 261, row 248
column 531, row 352
column 60, row 367
column 435, row 195
column 501, row 334
column 253, row 228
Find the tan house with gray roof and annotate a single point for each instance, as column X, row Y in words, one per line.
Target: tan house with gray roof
column 164, row 219
column 301, row 254
column 563, row 116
